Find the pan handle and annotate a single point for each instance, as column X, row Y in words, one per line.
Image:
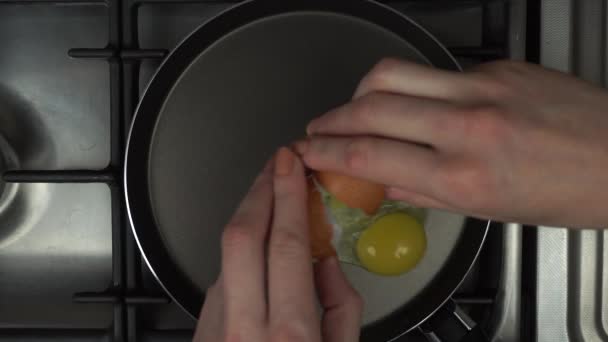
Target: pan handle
column 451, row 324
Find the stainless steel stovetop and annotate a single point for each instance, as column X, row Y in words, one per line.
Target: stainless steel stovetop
column 70, row 76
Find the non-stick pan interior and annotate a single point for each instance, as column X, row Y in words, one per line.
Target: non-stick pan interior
column 247, row 94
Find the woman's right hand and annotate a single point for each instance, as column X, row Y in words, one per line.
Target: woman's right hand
column 507, row 141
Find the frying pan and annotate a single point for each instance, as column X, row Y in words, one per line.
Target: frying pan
column 238, row 87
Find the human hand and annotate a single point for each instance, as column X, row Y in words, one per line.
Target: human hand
column 506, row 140
column 265, row 291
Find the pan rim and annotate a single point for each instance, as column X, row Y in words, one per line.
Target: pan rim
column 187, row 302
column 130, row 216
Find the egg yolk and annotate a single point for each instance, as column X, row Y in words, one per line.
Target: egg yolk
column 392, row 245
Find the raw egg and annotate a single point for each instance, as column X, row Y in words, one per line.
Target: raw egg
column 349, row 218
column 392, row 245
column 354, row 192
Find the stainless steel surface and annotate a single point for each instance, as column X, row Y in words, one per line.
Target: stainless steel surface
column 11, row 212
column 3, row 163
column 506, row 319
column 556, row 34
column 552, row 288
column 587, row 288
column 61, row 103
column 573, row 264
column 573, row 38
column 517, row 29
column 60, row 248
column 54, row 239
column 571, row 285
column 589, row 40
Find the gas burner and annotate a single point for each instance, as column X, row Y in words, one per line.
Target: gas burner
column 8, row 161
column 8, row 193
column 3, row 169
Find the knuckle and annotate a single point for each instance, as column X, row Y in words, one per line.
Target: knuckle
column 486, row 122
column 378, row 75
column 355, row 301
column 285, row 243
column 239, row 333
column 467, row 185
column 453, row 120
column 236, row 236
column 492, row 85
column 357, row 154
column 386, row 66
column 499, row 80
column 284, row 192
column 294, row 331
column 364, row 109
column 231, row 336
column 242, row 329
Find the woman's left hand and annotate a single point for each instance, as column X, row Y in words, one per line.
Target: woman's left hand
column 266, row 289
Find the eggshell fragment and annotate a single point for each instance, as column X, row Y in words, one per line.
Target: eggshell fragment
column 321, row 231
column 354, row 192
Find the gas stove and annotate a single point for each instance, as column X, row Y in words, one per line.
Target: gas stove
column 71, row 73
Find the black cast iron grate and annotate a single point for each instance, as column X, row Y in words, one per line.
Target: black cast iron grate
column 124, row 56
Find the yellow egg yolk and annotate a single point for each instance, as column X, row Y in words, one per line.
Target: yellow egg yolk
column 392, row 245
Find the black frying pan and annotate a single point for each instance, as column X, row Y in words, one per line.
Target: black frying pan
column 238, row 87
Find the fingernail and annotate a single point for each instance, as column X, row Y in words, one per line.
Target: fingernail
column 396, row 194
column 357, row 93
column 284, row 162
column 301, row 146
column 311, row 128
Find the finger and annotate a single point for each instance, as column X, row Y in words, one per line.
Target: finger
column 388, row 162
column 341, row 303
column 389, row 115
column 290, row 277
column 416, row 199
column 403, row 77
column 210, row 324
column 243, row 253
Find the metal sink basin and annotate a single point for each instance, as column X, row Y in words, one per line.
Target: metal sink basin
column 54, row 238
